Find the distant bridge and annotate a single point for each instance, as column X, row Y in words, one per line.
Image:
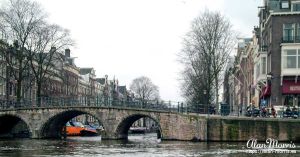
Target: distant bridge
column 175, row 122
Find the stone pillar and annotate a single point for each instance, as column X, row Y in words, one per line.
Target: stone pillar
column 35, row 134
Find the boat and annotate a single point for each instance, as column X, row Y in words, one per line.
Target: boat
column 137, row 130
column 78, row 129
column 74, row 128
column 88, row 131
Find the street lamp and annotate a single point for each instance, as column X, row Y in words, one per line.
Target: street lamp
column 205, row 92
column 206, row 128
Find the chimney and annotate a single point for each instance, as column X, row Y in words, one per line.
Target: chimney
column 67, row 52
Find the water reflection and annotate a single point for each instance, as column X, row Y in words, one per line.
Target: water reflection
column 147, row 145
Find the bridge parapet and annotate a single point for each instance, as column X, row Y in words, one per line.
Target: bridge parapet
column 45, row 102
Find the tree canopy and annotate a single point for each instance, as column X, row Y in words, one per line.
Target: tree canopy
column 205, row 52
column 144, row 89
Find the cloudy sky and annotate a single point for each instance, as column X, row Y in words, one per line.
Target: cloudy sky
column 132, row 38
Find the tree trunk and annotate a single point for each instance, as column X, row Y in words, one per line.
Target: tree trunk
column 209, row 84
column 217, row 90
column 38, row 93
column 19, row 86
column 7, row 82
column 19, row 82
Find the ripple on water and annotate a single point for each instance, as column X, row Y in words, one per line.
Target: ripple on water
column 146, row 146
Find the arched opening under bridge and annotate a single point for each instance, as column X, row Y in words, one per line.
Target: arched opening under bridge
column 72, row 123
column 138, row 124
column 12, row 126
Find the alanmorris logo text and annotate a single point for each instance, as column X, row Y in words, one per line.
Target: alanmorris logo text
column 270, row 146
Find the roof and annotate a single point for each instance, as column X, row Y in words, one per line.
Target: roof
column 100, row 80
column 70, row 61
column 84, row 71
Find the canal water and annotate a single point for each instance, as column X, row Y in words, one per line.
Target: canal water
column 145, row 146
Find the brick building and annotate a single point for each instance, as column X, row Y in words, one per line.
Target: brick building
column 71, row 76
column 279, row 29
column 267, row 66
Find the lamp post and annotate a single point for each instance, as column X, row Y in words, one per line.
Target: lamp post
column 205, row 92
column 269, row 83
column 206, row 128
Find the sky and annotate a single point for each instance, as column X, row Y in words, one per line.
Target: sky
column 127, row 39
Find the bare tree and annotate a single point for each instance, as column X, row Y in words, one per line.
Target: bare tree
column 144, row 89
column 4, row 49
column 44, row 48
column 18, row 19
column 37, row 44
column 206, row 49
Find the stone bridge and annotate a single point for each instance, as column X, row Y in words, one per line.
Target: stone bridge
column 48, row 122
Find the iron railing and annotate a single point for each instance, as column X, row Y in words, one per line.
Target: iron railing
column 177, row 107
column 46, row 102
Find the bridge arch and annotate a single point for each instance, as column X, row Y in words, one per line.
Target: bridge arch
column 53, row 127
column 125, row 124
column 13, row 125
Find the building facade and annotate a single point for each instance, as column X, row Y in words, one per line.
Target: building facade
column 71, row 76
column 267, row 66
column 280, row 41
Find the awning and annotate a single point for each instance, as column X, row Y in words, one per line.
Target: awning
column 290, row 87
column 266, row 91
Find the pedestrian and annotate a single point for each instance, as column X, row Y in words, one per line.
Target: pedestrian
column 273, row 112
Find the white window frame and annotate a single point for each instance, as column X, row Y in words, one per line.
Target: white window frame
column 261, row 65
column 285, row 55
column 289, row 71
column 284, row 5
column 297, row 33
column 270, row 35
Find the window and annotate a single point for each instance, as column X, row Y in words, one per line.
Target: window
column 285, row 5
column 298, row 58
column 289, row 59
column 270, row 33
column 298, row 32
column 10, row 89
column 269, row 65
column 296, row 6
column 2, row 86
column 298, row 98
column 288, row 32
column 257, row 70
column 288, row 100
column 263, row 65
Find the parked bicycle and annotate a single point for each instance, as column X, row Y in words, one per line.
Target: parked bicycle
column 288, row 113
